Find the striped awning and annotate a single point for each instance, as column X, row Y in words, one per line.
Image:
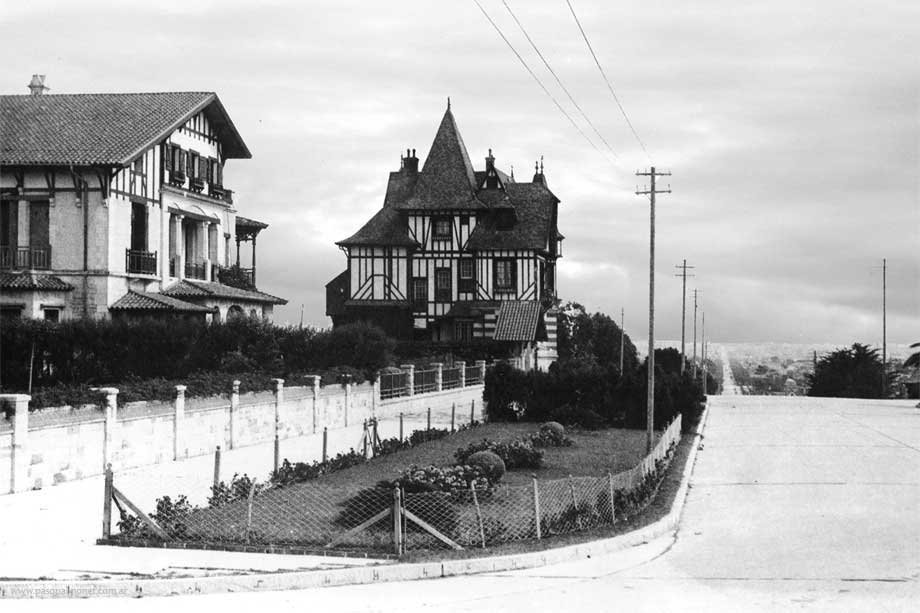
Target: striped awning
column 517, row 321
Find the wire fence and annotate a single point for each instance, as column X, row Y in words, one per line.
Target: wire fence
column 313, row 515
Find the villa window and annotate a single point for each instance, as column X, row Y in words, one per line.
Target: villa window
column 420, row 293
column 441, row 228
column 505, row 277
column 467, row 282
column 442, row 285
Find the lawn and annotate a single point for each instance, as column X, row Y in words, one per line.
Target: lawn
column 315, row 512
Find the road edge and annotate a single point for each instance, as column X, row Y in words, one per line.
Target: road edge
column 365, row 574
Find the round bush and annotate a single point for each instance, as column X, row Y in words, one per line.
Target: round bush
column 490, row 463
column 554, row 428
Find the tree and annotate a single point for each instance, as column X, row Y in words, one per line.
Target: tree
column 596, row 336
column 856, row 372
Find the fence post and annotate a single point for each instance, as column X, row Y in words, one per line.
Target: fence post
column 453, row 414
column 325, row 442
column 375, row 395
column 234, row 411
column 438, row 376
column 276, row 461
column 428, row 427
column 462, row 366
column 216, row 468
column 410, row 378
column 20, row 457
column 317, row 380
column 252, row 493
column 364, row 441
column 397, row 522
column 400, row 427
column 482, row 370
column 111, row 415
column 613, row 512
column 536, row 507
column 472, row 412
column 482, row 531
column 107, row 503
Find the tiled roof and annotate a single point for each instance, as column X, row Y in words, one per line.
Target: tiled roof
column 447, row 180
column 32, row 281
column 533, row 205
column 104, row 129
column 245, row 222
column 190, row 288
column 517, row 321
column 386, row 227
column 147, row 301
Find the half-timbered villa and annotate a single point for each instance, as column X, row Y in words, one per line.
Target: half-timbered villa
column 116, row 205
column 456, row 254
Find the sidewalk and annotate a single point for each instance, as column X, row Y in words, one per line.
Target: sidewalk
column 51, row 533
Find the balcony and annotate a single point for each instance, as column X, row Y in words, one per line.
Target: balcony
column 195, row 270
column 25, row 258
column 235, row 276
column 141, row 262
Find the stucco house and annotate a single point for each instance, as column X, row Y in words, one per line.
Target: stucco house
column 117, row 205
column 456, row 254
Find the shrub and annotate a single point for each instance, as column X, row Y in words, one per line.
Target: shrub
column 551, row 434
column 417, row 479
column 237, row 489
column 492, row 466
column 423, row 436
column 578, row 417
column 515, row 454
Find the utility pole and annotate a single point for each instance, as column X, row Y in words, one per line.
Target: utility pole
column 703, row 354
column 683, row 314
column 622, row 340
column 884, row 327
column 651, row 192
column 695, row 292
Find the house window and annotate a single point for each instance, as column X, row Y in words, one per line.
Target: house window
column 463, row 330
column 442, row 284
column 10, row 311
column 138, row 166
column 505, row 280
column 214, row 173
column 52, row 314
column 192, row 171
column 467, row 281
column 138, row 226
column 420, row 293
column 441, row 228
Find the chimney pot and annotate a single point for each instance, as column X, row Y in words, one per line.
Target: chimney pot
column 37, row 85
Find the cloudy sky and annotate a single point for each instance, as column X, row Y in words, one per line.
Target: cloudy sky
column 791, row 128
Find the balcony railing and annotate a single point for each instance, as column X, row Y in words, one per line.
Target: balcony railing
column 27, row 258
column 173, row 260
column 141, row 262
column 194, row 270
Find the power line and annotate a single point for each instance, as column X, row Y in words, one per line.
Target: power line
column 558, row 80
column 609, row 86
column 536, row 78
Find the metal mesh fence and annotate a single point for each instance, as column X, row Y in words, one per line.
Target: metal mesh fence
column 315, row 514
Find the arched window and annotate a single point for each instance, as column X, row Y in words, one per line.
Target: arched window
column 235, row 312
column 254, row 314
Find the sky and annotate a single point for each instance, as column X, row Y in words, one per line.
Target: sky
column 791, row 129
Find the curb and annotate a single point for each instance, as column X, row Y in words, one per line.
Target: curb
column 365, row 574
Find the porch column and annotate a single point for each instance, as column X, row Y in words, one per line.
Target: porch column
column 180, row 248
column 206, row 249
column 164, row 243
column 253, row 259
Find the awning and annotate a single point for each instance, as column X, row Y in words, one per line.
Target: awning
column 517, row 321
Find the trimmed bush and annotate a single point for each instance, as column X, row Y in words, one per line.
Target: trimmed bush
column 491, row 465
column 515, row 454
column 551, row 434
column 579, row 417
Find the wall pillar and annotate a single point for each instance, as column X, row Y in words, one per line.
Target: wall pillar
column 278, row 391
column 482, row 370
column 410, row 378
column 438, row 376
column 180, row 247
column 206, row 249
column 317, row 381
column 111, row 423
column 234, row 409
column 179, row 448
column 347, row 398
column 462, row 367
column 20, row 457
column 375, row 395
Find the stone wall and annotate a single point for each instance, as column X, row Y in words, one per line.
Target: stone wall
column 64, row 443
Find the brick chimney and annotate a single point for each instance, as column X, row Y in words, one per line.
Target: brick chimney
column 410, row 162
column 37, row 85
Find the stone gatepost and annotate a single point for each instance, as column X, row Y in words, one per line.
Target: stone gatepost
column 20, row 457
column 179, row 449
column 410, row 378
column 375, row 395
column 317, row 381
column 234, row 410
column 462, row 367
column 111, row 423
column 438, row 376
column 482, row 370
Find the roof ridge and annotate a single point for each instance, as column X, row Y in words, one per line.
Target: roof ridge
column 202, row 92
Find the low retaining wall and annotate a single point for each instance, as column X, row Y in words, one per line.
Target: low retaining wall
column 64, row 443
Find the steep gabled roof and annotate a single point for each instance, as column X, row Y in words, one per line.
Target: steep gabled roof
column 533, row 204
column 386, row 228
column 103, row 129
column 447, row 180
column 194, row 289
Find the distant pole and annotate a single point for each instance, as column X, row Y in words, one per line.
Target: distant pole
column 884, row 327
column 683, row 315
column 622, row 339
column 301, row 316
column 694, row 332
column 703, row 354
column 650, row 409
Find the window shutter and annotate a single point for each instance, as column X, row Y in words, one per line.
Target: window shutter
column 183, row 161
column 219, row 171
column 202, row 167
column 166, row 161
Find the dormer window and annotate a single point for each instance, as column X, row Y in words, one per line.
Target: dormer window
column 441, row 228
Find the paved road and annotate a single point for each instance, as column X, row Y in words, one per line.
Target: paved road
column 796, row 503
column 729, row 387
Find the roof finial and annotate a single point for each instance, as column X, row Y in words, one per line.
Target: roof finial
column 448, row 103
column 512, row 172
column 536, row 167
column 541, row 164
